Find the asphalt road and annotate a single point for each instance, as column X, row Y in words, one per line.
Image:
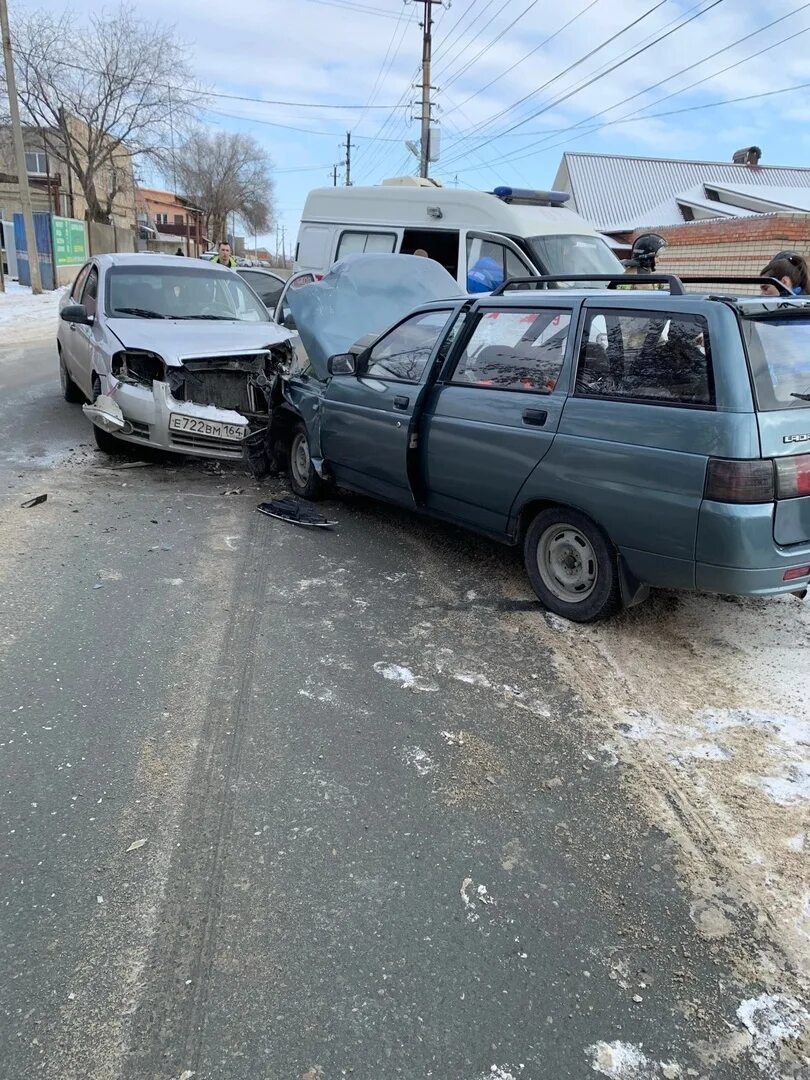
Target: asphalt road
column 373, row 832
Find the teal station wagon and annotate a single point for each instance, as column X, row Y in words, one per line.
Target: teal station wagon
column 627, row 438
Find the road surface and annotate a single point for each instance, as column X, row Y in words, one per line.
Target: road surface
column 285, row 805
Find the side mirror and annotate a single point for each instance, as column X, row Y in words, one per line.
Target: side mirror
column 75, row 313
column 342, row 364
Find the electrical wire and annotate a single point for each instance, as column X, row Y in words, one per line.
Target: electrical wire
column 597, row 77
column 285, row 127
column 479, row 16
column 576, row 63
column 455, row 77
column 353, row 6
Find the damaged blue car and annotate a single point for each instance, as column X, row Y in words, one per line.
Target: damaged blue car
column 627, row 439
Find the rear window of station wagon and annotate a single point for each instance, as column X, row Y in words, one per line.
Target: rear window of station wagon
column 779, row 356
column 661, row 358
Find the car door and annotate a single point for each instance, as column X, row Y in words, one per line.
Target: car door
column 266, row 285
column 81, row 337
column 367, row 418
column 491, row 259
column 282, row 314
column 494, row 413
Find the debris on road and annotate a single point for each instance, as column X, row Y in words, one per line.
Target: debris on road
column 233, row 491
column 297, row 513
column 405, row 677
column 36, row 501
column 136, row 845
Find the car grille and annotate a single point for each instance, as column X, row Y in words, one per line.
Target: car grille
column 222, row 381
column 184, row 441
column 141, row 430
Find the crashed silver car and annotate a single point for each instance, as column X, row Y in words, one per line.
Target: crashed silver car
column 171, row 353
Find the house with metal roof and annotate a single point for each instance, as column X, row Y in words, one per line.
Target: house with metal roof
column 619, row 194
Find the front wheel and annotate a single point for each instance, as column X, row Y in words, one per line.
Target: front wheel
column 572, row 566
column 70, row 391
column 304, row 481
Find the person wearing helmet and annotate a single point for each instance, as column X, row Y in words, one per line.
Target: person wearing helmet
column 642, row 258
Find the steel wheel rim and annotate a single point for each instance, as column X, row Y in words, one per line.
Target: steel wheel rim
column 300, row 460
column 567, row 564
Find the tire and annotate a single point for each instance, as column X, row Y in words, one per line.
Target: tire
column 304, row 481
column 108, row 443
column 70, row 390
column 572, row 565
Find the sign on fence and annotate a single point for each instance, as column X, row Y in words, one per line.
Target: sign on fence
column 69, row 241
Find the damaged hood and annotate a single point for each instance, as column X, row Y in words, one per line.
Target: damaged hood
column 361, row 295
column 177, row 339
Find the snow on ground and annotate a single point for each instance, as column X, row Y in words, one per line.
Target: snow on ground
column 24, row 318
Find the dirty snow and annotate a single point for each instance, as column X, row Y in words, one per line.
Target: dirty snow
column 772, row 1020
column 420, row 760
column 404, row 676
column 621, row 1061
column 25, row 318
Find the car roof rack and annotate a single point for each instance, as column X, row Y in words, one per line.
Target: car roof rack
column 612, row 281
column 725, row 279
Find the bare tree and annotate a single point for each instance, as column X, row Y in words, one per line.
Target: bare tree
column 97, row 92
column 227, row 173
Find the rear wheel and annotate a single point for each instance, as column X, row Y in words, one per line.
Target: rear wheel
column 70, row 390
column 572, row 566
column 304, row 481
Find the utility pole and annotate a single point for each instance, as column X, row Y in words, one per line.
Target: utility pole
column 19, row 153
column 334, row 175
column 349, row 147
column 283, row 247
column 427, row 53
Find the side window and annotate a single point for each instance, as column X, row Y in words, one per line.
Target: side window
column 663, row 357
column 266, row 286
column 490, row 263
column 404, row 353
column 90, row 294
column 78, row 284
column 516, row 350
column 352, row 243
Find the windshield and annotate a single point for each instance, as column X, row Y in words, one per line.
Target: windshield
column 180, row 292
column 779, row 356
column 574, row 255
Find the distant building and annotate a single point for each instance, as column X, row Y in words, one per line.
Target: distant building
column 619, row 194
column 164, row 216
column 54, row 186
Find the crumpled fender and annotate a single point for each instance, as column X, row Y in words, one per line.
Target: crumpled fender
column 106, row 414
column 305, row 397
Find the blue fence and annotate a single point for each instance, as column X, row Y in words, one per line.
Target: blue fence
column 42, row 231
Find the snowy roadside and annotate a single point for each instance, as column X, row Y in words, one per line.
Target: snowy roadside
column 25, row 318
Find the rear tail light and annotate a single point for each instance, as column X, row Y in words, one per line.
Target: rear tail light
column 793, row 476
column 739, row 481
column 796, row 572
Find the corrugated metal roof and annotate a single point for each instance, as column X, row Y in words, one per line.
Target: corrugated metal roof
column 611, row 190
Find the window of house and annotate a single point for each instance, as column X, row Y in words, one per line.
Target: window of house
column 352, row 243
column 90, row 294
column 403, row 354
column 178, row 219
column 516, row 350
column 662, row 358
column 36, row 163
column 161, row 219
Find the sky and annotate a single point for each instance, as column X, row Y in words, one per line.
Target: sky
column 518, row 82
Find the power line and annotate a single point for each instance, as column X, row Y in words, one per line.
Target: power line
column 388, row 61
column 352, row 5
column 597, row 77
column 655, row 116
column 486, row 48
column 684, row 89
column 576, row 63
column 478, row 18
column 285, row 127
column 449, row 41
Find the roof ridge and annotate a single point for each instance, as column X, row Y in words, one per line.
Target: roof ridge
column 678, row 161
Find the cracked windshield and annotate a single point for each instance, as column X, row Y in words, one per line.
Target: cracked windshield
column 405, row 515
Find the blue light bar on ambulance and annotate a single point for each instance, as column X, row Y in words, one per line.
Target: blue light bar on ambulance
column 527, row 197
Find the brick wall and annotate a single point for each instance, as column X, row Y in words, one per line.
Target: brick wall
column 737, row 246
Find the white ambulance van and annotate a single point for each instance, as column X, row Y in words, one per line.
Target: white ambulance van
column 524, row 232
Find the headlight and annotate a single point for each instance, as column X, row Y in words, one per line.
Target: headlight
column 136, row 366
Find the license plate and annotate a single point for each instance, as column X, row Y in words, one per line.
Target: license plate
column 213, row 429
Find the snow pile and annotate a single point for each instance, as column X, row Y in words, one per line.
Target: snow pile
column 26, row 318
column 772, row 1020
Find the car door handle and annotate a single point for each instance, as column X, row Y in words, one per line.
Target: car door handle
column 536, row 417
column 401, row 402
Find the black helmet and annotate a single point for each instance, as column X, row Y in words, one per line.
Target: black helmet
column 645, row 248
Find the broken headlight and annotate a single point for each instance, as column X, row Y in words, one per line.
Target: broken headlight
column 137, row 366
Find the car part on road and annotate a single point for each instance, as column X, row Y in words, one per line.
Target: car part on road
column 36, row 501
column 571, row 565
column 304, row 480
column 297, row 513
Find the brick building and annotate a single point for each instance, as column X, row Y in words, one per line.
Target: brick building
column 167, row 217
column 737, row 246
